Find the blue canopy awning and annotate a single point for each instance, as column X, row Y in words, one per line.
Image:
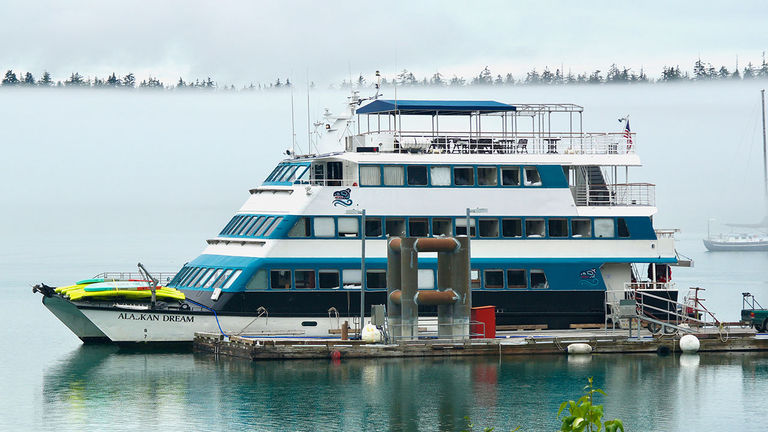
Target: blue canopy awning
column 433, row 107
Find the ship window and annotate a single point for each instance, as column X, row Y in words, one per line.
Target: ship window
column 494, row 279
column 232, row 279
column 329, row 279
column 417, row 175
column 489, row 227
column 319, row 173
column 376, row 279
column 370, row 175
column 236, row 222
column 273, row 173
column 532, row 177
column 395, row 227
column 324, row 227
column 474, row 276
column 512, row 227
column 581, row 228
column 335, row 173
column 287, row 175
column 535, row 228
column 426, row 278
column 418, row 227
column 280, row 279
column 305, row 279
column 539, row 279
column 349, row 227
column 227, row 226
column 463, row 176
column 516, row 279
column 352, row 278
column 222, row 279
column 273, row 227
column 393, row 176
column 442, row 226
column 558, row 227
column 372, row 227
column 258, row 281
column 199, row 278
column 604, row 228
column 302, row 175
column 300, row 229
column 623, row 229
column 267, row 223
column 461, row 227
column 440, row 175
column 487, row 176
column 256, row 224
column 244, row 227
column 203, row 278
column 510, row 176
column 187, row 275
column 212, row 279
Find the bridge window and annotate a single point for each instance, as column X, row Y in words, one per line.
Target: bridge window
column 494, row 279
column 212, row 279
column 511, row 228
column 300, row 229
column 376, row 279
column 305, row 279
column 581, row 228
column 222, row 279
column 535, row 228
column 417, row 175
column 329, row 279
column 558, row 227
column 258, row 281
column 489, row 227
column 461, row 227
column 256, row 225
column 272, row 228
column 623, row 228
column 532, row 177
column 349, row 227
column 372, row 227
column 440, row 175
column 516, row 278
column 442, row 226
column 370, row 175
column 539, row 279
column 395, row 227
column 604, row 228
column 393, row 176
column 487, row 176
column 324, row 227
column 418, row 227
column 510, row 176
column 200, row 278
column 335, row 173
column 352, row 278
column 463, row 176
column 280, row 279
column 232, row 279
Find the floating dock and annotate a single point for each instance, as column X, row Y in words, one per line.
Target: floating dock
column 506, row 343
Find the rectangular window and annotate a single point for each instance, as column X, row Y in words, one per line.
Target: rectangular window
column 558, row 227
column 280, row 279
column 510, row 176
column 305, row 279
column 442, row 226
column 376, row 279
column 426, row 279
column 494, row 279
column 623, row 228
column 604, row 228
column 395, row 227
column 187, row 275
column 461, row 227
column 349, row 226
column 232, row 279
column 222, row 279
column 255, row 226
column 352, row 278
column 417, row 175
column 200, row 278
column 581, row 228
column 234, row 226
column 272, row 228
column 370, row 175
column 372, row 227
column 418, row 227
column 212, row 279
column 440, row 175
column 245, row 222
column 287, row 175
column 228, row 226
column 512, row 227
column 532, row 177
column 324, row 227
column 393, row 176
column 474, row 276
column 489, row 227
column 516, row 278
column 263, row 228
column 538, row 279
column 329, row 279
column 487, row 176
column 535, row 228
column 300, row 229
column 258, row 281
column 463, row 176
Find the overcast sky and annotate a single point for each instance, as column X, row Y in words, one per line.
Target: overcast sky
column 242, row 41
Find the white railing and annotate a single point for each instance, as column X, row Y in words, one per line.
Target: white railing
column 501, row 143
column 162, row 277
column 623, row 194
column 329, row 182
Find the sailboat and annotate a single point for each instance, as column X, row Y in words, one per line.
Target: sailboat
column 751, row 241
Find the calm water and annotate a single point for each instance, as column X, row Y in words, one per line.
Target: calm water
column 98, row 182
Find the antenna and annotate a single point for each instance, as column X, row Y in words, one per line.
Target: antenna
column 378, row 84
column 765, row 159
column 309, row 121
column 293, row 128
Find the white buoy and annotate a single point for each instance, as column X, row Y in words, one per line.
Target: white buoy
column 689, row 343
column 371, row 333
column 579, row 348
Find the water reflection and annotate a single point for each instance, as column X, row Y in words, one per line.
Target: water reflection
column 96, row 387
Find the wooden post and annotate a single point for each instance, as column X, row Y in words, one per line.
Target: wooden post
column 345, row 330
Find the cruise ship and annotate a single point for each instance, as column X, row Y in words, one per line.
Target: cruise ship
column 555, row 220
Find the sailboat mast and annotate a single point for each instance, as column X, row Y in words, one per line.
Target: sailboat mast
column 765, row 158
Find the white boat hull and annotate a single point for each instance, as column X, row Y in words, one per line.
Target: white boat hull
column 74, row 319
column 744, row 246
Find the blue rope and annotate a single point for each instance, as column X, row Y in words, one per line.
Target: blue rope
column 214, row 315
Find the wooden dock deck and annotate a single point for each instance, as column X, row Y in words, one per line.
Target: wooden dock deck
column 506, row 343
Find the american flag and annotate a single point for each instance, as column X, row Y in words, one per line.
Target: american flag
column 628, row 136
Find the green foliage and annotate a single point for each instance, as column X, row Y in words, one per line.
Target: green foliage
column 584, row 415
column 469, row 427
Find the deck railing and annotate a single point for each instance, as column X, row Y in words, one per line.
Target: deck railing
column 162, row 277
column 622, row 194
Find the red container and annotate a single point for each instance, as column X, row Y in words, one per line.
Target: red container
column 487, row 316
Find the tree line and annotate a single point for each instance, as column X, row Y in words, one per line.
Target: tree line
column 613, row 75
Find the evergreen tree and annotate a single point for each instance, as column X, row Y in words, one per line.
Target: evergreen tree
column 288, row 82
column 45, row 80
column 10, row 79
column 547, row 77
column 406, row 78
column 532, row 77
column 699, row 72
column 558, row 77
column 29, row 80
column 360, row 81
column 98, row 82
column 279, row 83
column 749, row 71
column 484, row 78
column 181, row 84
column 113, row 81
column 723, row 72
column 458, row 81
column 509, row 79
column 75, row 80
column 211, row 85
column 595, row 77
column 129, row 81
column 437, row 80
